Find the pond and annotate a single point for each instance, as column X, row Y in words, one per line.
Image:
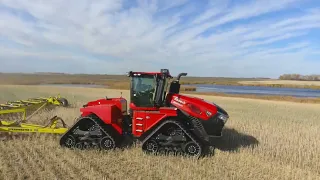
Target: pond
column 256, row 90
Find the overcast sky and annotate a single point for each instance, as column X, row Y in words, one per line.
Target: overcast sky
column 239, row 38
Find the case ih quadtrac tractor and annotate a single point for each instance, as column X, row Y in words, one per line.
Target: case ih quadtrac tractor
column 163, row 121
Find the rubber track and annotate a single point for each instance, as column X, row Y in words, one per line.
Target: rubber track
column 95, row 120
column 105, row 128
column 66, row 134
column 181, row 126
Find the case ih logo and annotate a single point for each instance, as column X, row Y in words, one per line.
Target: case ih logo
column 178, row 100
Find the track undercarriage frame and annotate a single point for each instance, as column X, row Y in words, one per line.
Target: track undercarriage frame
column 90, row 132
column 168, row 137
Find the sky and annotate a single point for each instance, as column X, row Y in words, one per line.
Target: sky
column 229, row 38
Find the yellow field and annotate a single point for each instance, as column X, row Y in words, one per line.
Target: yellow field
column 262, row 140
column 283, row 82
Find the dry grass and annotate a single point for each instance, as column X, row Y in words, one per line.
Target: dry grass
column 283, row 83
column 262, row 140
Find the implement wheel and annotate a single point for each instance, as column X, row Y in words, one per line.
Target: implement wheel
column 64, row 102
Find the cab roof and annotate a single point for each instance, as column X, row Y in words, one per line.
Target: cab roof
column 163, row 71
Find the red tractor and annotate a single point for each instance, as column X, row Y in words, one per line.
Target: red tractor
column 163, row 121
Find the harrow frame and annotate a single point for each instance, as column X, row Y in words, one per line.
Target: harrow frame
column 7, row 126
column 21, row 106
column 32, row 102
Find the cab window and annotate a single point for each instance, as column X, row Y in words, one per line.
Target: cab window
column 143, row 89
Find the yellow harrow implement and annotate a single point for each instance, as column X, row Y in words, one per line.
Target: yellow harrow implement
column 13, row 114
column 34, row 102
column 51, row 127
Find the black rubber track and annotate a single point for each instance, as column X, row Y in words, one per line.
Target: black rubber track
column 108, row 135
column 168, row 149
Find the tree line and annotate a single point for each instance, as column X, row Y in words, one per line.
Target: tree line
column 300, row 77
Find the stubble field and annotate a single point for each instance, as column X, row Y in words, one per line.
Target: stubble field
column 262, row 140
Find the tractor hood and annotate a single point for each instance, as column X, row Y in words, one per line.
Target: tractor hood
column 197, row 107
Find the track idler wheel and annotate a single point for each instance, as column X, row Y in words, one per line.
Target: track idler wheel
column 151, row 146
column 107, row 143
column 69, row 142
column 192, row 149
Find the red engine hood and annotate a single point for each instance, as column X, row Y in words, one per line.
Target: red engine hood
column 194, row 106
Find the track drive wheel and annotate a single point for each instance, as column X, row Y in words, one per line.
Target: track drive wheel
column 192, row 149
column 107, row 143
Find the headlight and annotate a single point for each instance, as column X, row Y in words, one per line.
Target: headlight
column 208, row 113
column 223, row 117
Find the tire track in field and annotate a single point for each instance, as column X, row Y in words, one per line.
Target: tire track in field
column 11, row 157
column 65, row 168
column 58, row 163
column 29, row 158
column 48, row 164
column 93, row 163
column 83, row 167
column 6, row 169
column 70, row 164
column 39, row 162
column 16, row 161
column 3, row 167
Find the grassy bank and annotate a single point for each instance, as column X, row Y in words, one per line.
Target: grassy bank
column 283, row 84
column 192, row 90
column 260, row 83
column 122, row 82
column 114, row 80
column 255, row 144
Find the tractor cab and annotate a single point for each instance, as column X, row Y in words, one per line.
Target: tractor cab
column 148, row 89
